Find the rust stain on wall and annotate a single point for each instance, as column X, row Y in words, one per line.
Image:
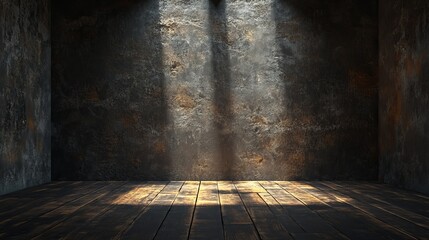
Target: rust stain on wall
column 184, row 100
column 160, row 147
column 253, row 158
column 363, row 82
column 31, row 125
column 259, row 120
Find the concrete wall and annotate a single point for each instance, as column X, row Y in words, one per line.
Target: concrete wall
column 404, row 93
column 229, row 89
column 25, row 98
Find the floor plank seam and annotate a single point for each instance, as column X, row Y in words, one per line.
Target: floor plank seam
column 327, row 221
column 375, row 216
column 221, row 213
column 107, row 210
column 286, row 213
column 388, row 226
column 247, row 210
column 168, row 211
column 143, row 207
column 141, row 212
column 271, row 209
column 102, row 212
column 74, row 213
column 392, row 206
column 193, row 212
column 88, row 188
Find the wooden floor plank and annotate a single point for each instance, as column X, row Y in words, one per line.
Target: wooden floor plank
column 148, row 222
column 24, row 198
column 34, row 191
column 301, row 214
column 207, row 220
column 38, row 189
column 178, row 221
column 348, row 220
column 364, row 204
column 249, row 187
column 316, row 236
column 399, row 192
column 117, row 218
column 233, row 209
column 214, row 210
column 35, row 226
column 86, row 214
column 236, row 220
column 412, row 209
column 281, row 213
column 50, row 201
column 265, row 221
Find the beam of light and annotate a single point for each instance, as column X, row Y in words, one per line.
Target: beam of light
column 186, row 59
column 223, row 88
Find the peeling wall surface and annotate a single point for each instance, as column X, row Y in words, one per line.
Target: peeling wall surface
column 404, row 93
column 230, row 89
column 25, row 94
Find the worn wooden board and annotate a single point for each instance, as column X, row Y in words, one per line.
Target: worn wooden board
column 213, row 210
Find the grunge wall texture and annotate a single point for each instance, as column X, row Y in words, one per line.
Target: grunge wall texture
column 231, row 89
column 25, row 94
column 404, row 93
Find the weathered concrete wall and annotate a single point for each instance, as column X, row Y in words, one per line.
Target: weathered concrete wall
column 25, row 94
column 230, row 89
column 404, row 93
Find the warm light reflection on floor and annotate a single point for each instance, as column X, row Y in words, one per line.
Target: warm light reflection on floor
column 226, row 193
column 196, row 210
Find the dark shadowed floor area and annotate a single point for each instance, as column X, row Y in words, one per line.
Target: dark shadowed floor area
column 214, row 210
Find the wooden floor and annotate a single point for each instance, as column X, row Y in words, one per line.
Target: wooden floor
column 214, row 210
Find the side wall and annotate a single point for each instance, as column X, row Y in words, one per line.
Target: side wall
column 209, row 89
column 404, row 93
column 25, row 98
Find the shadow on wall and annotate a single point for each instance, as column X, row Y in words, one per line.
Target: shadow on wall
column 328, row 63
column 109, row 102
column 221, row 77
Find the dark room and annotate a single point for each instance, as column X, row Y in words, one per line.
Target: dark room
column 214, row 119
